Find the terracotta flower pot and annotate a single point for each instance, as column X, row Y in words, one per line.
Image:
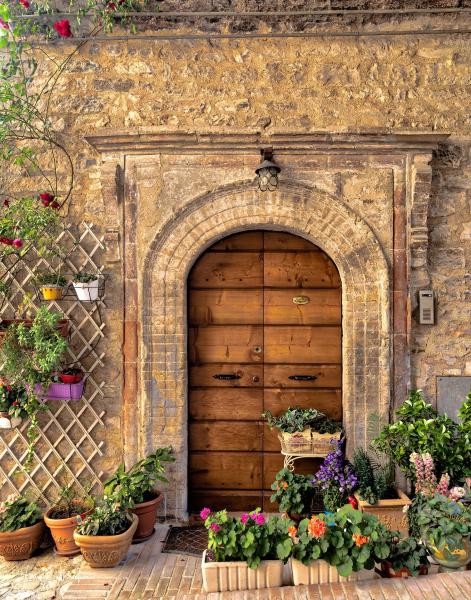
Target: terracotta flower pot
column 388, row 572
column 147, row 514
column 104, row 551
column 389, row 512
column 20, row 544
column 62, row 531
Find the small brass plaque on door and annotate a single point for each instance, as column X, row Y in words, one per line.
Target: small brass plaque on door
column 301, row 299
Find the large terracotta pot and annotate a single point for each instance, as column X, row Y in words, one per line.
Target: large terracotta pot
column 389, row 512
column 147, row 514
column 20, row 544
column 103, row 551
column 62, row 531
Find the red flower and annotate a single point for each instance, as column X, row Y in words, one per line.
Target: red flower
column 111, row 5
column 4, row 25
column 15, row 403
column 6, row 240
column 55, row 205
column 9, row 388
column 17, row 243
column 63, row 28
column 6, row 202
column 46, row 198
column 25, row 3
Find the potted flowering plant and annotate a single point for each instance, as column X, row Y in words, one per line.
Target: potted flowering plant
column 104, row 535
column 52, row 285
column 333, row 546
column 245, row 552
column 335, row 479
column 21, row 528
column 407, row 557
column 86, row 286
column 135, row 489
column 12, row 400
column 293, row 493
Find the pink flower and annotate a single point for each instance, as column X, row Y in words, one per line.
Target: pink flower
column 260, row 519
column 215, row 527
column 456, row 493
column 17, row 243
column 204, row 514
column 244, row 518
column 63, row 28
column 442, row 487
column 4, row 25
column 25, row 3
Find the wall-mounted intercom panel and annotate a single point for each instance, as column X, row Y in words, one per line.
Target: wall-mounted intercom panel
column 426, row 307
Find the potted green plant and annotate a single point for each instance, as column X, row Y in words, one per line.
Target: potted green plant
column 244, row 553
column 341, row 546
column 30, row 356
column 62, row 517
column 71, row 375
column 377, row 493
column 52, row 285
column 12, row 400
column 104, row 535
column 21, row 528
column 408, row 557
column 293, row 492
column 86, row 286
column 135, row 489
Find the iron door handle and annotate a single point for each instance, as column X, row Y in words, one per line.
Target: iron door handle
column 227, row 376
column 303, row 377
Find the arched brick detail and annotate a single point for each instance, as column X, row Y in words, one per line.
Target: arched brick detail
column 308, row 212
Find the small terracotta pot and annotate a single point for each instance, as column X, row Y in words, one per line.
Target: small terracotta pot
column 62, row 531
column 104, row 551
column 20, row 544
column 147, row 514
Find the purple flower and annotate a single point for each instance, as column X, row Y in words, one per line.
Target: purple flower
column 244, row 518
column 215, row 527
column 204, row 514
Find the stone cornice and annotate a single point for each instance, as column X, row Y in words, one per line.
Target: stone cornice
column 147, row 140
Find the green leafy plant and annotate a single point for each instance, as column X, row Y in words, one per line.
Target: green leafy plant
column 85, row 277
column 51, row 279
column 407, row 553
column 293, row 492
column 419, row 428
column 137, row 485
column 17, row 512
column 13, row 399
column 250, row 537
column 110, row 518
column 375, row 480
column 297, row 419
column 69, row 503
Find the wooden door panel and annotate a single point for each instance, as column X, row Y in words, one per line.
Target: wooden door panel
column 273, row 462
column 211, row 404
column 326, row 376
column 281, row 241
column 225, row 344
column 247, row 240
column 323, row 308
column 232, row 500
column 248, row 375
column 294, row 345
column 329, row 402
column 225, row 307
column 299, row 270
column 226, row 436
column 226, row 270
column 271, row 443
column 225, row 470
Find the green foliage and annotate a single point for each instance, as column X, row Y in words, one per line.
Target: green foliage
column 131, row 487
column 108, row 519
column 292, row 492
column 54, row 279
column 407, row 553
column 374, row 479
column 17, row 512
column 13, row 399
column 444, row 522
column 85, row 277
column 297, row 419
column 419, row 428
column 70, row 503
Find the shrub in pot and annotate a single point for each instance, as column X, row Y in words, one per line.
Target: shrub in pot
column 407, row 558
column 135, row 489
column 12, row 400
column 52, row 285
column 293, row 493
column 104, row 536
column 335, row 479
column 62, row 519
column 86, row 286
column 21, row 528
column 245, row 552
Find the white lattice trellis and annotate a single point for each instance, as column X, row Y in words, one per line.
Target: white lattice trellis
column 69, row 446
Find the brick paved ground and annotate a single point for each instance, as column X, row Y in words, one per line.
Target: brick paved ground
column 147, row 573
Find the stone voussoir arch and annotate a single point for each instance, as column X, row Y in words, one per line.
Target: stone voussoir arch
column 315, row 215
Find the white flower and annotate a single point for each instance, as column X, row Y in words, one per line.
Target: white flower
column 405, row 508
column 12, row 497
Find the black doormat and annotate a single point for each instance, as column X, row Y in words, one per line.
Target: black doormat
column 186, row 540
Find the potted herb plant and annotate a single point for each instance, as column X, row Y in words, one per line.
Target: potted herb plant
column 62, row 519
column 52, row 285
column 104, row 535
column 407, row 558
column 293, row 493
column 135, row 489
column 341, row 546
column 244, row 553
column 86, row 286
column 377, row 493
column 12, row 400
column 21, row 528
column 71, row 375
column 335, row 479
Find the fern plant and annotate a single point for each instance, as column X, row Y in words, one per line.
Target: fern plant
column 375, row 479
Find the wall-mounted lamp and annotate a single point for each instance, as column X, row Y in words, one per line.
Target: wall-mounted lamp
column 267, row 171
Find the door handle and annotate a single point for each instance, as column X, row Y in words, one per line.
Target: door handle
column 227, row 376
column 303, row 377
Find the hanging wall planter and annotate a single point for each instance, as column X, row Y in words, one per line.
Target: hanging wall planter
column 61, row 391
column 86, row 287
column 52, row 292
column 52, row 285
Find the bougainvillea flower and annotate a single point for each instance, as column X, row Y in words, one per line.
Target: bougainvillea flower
column 63, row 28
column 17, row 243
column 316, row 527
column 204, row 514
column 25, row 3
column 46, row 198
column 214, row 527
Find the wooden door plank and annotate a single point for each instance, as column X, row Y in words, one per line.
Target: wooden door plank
column 300, row 270
column 227, row 270
column 247, row 240
column 245, row 436
column 229, row 404
column 273, row 462
column 282, row 241
column 229, row 344
column 277, row 401
column 225, row 307
column 248, row 376
column 324, row 307
column 302, row 345
column 326, row 376
column 233, row 500
column 225, row 470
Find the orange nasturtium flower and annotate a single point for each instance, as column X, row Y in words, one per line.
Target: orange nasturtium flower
column 316, row 527
column 360, row 539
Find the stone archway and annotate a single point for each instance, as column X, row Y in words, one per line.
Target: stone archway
column 308, row 212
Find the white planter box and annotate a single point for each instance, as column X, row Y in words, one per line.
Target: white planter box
column 86, row 292
column 319, row 571
column 236, row 575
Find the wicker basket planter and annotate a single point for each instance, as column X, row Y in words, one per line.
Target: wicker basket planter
column 296, row 443
column 389, row 512
column 321, row 442
column 319, row 571
column 237, row 576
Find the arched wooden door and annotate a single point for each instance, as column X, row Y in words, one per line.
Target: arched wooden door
column 263, row 307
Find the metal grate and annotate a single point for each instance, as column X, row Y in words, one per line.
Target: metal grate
column 70, row 444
